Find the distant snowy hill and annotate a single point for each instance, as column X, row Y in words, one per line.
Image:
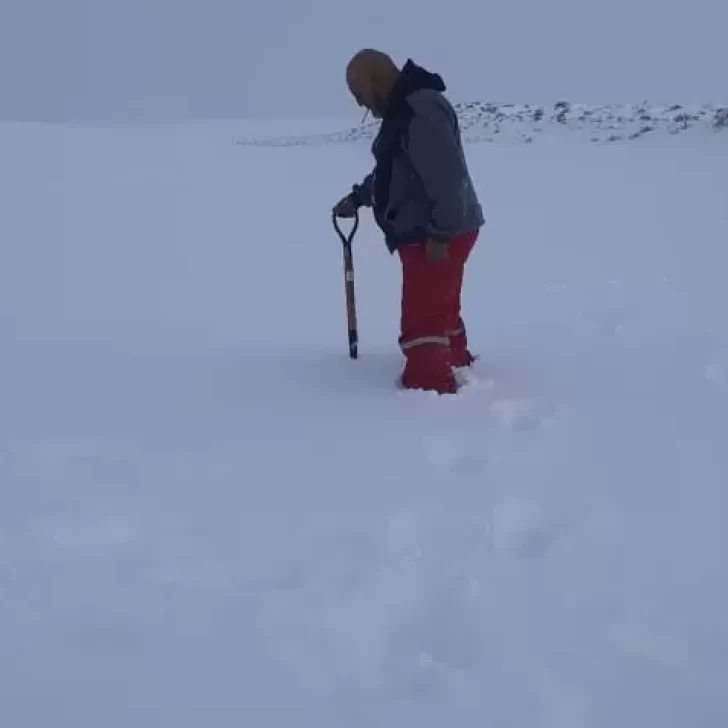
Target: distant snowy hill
column 488, row 121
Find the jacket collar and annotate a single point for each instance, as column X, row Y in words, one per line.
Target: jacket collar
column 413, row 78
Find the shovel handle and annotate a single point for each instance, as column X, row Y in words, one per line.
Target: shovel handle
column 346, row 239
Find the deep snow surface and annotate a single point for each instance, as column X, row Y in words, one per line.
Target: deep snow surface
column 209, row 515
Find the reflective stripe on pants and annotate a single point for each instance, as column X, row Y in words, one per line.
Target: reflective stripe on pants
column 456, row 332
column 422, row 340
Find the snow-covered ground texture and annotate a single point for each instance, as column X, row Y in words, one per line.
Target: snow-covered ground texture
column 514, row 123
column 211, row 516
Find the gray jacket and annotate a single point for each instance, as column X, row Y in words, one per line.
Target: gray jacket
column 420, row 187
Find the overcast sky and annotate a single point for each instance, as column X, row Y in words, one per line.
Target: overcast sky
column 158, row 59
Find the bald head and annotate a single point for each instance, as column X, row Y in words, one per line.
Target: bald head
column 370, row 76
column 369, row 62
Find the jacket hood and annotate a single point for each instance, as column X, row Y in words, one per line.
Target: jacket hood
column 415, row 78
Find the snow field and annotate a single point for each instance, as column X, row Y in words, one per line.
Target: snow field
column 208, row 514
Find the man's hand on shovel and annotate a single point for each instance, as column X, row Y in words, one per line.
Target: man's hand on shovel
column 345, row 207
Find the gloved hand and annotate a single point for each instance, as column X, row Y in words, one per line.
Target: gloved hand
column 345, row 207
column 436, row 251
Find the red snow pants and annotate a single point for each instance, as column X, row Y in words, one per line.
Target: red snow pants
column 433, row 337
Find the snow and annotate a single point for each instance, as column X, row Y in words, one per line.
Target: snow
column 210, row 515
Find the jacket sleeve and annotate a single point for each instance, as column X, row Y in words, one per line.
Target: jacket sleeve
column 361, row 194
column 434, row 151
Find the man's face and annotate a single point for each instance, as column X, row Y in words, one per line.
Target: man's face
column 365, row 94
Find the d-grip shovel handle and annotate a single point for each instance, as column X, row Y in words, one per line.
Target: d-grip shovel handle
column 349, row 285
column 344, row 239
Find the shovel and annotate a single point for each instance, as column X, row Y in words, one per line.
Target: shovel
column 349, row 285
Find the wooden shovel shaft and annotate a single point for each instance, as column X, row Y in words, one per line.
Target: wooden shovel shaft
column 350, row 302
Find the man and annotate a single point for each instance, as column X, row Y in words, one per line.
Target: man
column 424, row 201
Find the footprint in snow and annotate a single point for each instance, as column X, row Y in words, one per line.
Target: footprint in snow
column 410, row 622
column 521, row 414
column 520, row 528
column 450, row 457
